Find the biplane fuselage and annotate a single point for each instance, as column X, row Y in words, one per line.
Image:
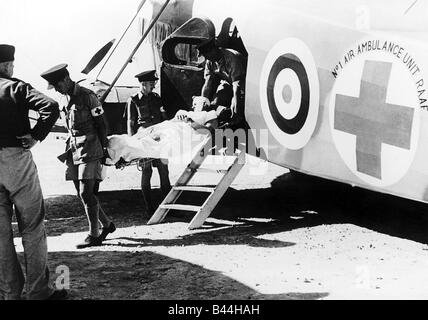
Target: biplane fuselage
column 339, row 89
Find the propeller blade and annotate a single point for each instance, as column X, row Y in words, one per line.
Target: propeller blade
column 98, row 57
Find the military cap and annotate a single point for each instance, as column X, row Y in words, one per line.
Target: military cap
column 206, row 45
column 7, row 53
column 55, row 74
column 147, row 76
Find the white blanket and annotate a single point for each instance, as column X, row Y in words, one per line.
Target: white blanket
column 173, row 140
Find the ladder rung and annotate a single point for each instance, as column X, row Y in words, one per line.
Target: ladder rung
column 195, row 189
column 182, row 207
column 208, row 170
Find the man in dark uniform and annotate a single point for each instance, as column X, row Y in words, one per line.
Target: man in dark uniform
column 224, row 85
column 145, row 110
column 20, row 186
column 85, row 150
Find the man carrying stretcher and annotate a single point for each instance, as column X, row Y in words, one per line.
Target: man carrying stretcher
column 144, row 110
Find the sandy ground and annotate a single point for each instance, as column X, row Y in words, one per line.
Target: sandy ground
column 276, row 235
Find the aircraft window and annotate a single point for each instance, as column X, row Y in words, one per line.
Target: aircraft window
column 187, row 54
column 199, row 60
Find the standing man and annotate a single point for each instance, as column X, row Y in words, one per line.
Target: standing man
column 20, row 186
column 86, row 149
column 224, row 85
column 144, row 110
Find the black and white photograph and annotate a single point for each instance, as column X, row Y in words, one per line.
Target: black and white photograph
column 227, row 151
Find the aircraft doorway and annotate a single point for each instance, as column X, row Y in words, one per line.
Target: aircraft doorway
column 182, row 69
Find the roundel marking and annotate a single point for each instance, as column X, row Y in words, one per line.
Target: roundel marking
column 289, row 93
column 294, row 125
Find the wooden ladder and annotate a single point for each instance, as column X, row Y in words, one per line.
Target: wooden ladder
column 215, row 192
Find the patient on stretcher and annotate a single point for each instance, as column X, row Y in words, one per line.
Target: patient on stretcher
column 175, row 139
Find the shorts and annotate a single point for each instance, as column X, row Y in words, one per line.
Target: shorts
column 86, row 171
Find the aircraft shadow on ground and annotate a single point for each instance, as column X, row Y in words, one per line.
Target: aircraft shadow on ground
column 150, row 276
column 294, row 201
column 243, row 232
column 340, row 203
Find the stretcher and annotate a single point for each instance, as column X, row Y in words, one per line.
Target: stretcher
column 177, row 141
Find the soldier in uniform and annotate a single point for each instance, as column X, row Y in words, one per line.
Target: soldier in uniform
column 20, row 186
column 144, row 110
column 85, row 150
column 224, row 85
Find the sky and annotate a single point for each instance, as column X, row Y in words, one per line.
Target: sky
column 49, row 32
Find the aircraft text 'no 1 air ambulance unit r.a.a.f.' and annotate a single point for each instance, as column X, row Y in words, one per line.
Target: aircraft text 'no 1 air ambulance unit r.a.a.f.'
column 339, row 87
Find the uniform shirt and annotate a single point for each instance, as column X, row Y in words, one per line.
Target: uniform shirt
column 145, row 110
column 229, row 68
column 16, row 99
column 83, row 105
